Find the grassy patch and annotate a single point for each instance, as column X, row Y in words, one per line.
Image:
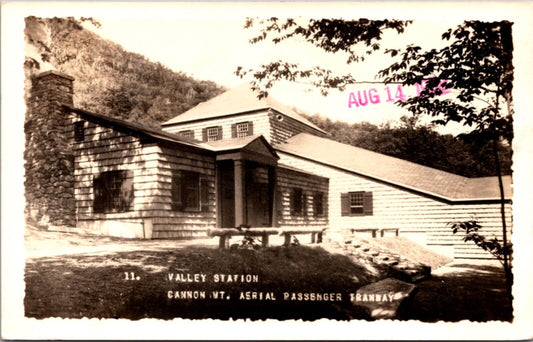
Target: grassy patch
column 97, row 286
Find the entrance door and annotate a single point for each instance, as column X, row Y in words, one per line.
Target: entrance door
column 257, row 196
column 227, row 194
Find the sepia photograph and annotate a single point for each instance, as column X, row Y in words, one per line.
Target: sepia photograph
column 285, row 167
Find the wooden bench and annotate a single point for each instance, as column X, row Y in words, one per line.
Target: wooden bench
column 316, row 234
column 226, row 233
column 375, row 231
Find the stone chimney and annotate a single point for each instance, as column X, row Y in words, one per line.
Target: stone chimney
column 49, row 167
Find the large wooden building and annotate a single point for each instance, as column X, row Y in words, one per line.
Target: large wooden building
column 239, row 160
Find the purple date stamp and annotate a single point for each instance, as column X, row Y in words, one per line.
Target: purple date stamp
column 391, row 93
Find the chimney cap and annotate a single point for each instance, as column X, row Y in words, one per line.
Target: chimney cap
column 56, row 73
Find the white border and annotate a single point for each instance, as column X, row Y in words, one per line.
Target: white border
column 15, row 325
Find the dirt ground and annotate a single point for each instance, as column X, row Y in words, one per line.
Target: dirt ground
column 42, row 243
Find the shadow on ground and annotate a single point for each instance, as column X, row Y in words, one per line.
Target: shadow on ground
column 461, row 292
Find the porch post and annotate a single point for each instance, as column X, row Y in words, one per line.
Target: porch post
column 239, row 192
column 272, row 195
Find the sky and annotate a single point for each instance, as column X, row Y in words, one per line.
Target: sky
column 213, row 48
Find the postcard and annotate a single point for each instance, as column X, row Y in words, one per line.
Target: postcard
column 266, row 170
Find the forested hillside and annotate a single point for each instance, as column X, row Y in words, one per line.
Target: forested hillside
column 466, row 155
column 110, row 80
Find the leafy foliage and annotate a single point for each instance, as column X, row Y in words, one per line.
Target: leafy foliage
column 110, row 80
column 493, row 246
column 330, row 35
column 477, row 65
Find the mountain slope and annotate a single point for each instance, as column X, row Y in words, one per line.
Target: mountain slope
column 108, row 79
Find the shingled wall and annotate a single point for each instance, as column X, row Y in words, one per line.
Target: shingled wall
column 49, row 166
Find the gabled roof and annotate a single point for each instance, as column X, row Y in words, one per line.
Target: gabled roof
column 399, row 172
column 241, row 99
column 239, row 144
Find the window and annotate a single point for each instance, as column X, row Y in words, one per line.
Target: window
column 187, row 133
column 113, row 192
column 242, row 129
column 298, row 202
column 189, row 192
column 356, row 203
column 213, row 134
column 318, row 204
column 175, row 191
column 79, row 131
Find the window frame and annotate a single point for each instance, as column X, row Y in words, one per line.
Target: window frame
column 213, row 129
column 188, row 187
column 359, row 198
column 318, row 204
column 241, row 133
column 188, row 133
column 297, row 202
column 113, row 192
column 367, row 206
column 79, row 131
column 183, row 184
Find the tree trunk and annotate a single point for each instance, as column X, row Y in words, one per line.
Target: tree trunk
column 506, row 263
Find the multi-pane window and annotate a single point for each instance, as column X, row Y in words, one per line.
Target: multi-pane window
column 318, row 204
column 212, row 134
column 187, row 134
column 189, row 192
column 356, row 202
column 79, row 131
column 113, row 192
column 242, row 129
